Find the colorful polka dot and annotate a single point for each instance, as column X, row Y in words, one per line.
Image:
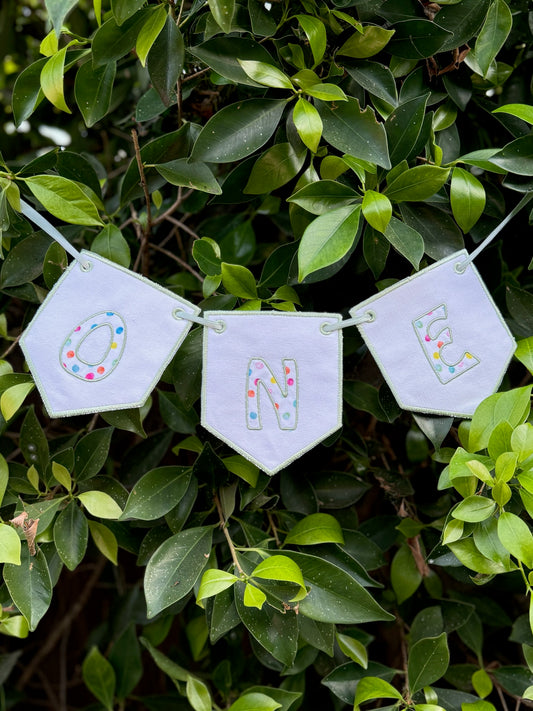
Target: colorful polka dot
column 77, row 329
column 286, row 415
column 436, row 356
column 287, row 370
column 419, row 324
column 249, row 371
column 113, row 345
column 440, row 344
column 468, row 355
column 451, row 369
column 68, row 341
column 119, row 330
column 290, row 381
column 253, row 415
column 109, row 313
column 273, row 380
column 276, row 405
column 251, row 393
column 259, row 365
column 75, row 368
column 70, row 354
column 89, row 376
column 94, row 325
column 427, row 338
column 100, row 370
column 438, row 368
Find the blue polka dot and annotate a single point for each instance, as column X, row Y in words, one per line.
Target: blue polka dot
column 94, row 325
column 419, row 324
column 286, row 415
column 119, row 329
column 68, row 342
column 451, row 369
column 249, row 371
column 253, row 415
column 109, row 313
column 438, row 368
column 295, row 403
column 75, row 368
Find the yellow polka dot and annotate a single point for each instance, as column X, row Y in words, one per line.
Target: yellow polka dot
column 113, row 345
column 272, row 380
column 436, row 356
column 468, row 355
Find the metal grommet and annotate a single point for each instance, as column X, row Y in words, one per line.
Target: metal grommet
column 220, row 327
column 371, row 316
column 86, row 267
column 459, row 268
column 326, row 329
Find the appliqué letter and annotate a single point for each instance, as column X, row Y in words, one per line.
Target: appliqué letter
column 271, row 384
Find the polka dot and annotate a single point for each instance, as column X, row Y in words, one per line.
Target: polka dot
column 273, row 380
column 287, row 370
column 276, row 406
column 251, row 393
column 70, row 354
column 436, row 356
column 109, row 313
column 295, row 404
column 468, row 356
column 100, row 370
column 115, row 361
column 75, row 368
column 77, row 329
column 438, row 368
column 259, row 365
column 427, row 338
column 119, row 330
column 249, row 371
column 94, row 325
column 113, row 345
column 440, row 344
column 253, row 415
column 64, row 365
column 451, row 369
column 89, row 376
column 419, row 324
column 68, row 341
column 256, row 381
column 461, row 364
column 290, row 381
column 286, row 415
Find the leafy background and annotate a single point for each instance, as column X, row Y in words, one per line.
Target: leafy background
column 281, row 156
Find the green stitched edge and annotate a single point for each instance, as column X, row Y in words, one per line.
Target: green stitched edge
column 219, row 315
column 459, row 256
column 105, row 408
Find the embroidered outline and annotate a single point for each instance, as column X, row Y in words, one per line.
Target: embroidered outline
column 426, row 339
column 76, row 343
column 287, row 364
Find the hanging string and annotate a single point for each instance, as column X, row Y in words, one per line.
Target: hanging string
column 43, row 223
column 460, row 267
column 218, row 326
column 367, row 317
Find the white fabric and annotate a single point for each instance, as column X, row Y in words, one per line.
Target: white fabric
column 102, row 338
column 272, row 383
column 438, row 338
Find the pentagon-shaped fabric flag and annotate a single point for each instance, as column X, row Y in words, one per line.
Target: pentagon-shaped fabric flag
column 102, row 338
column 272, row 383
column 438, row 338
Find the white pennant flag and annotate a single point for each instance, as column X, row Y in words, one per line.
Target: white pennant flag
column 272, row 383
column 102, row 338
column 438, row 338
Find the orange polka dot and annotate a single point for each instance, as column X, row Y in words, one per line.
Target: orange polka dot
column 287, row 370
column 100, row 370
column 251, row 393
column 277, row 406
column 70, row 354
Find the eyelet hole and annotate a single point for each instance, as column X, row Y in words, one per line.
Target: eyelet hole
column 459, row 268
column 220, row 327
column 86, row 267
column 177, row 313
column 370, row 316
column 325, row 329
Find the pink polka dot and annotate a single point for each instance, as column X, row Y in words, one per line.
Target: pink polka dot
column 89, row 376
column 256, row 381
column 427, row 338
column 77, row 329
column 290, row 381
column 259, row 365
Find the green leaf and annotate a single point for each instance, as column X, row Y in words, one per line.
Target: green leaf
column 361, row 45
column 474, row 509
column 58, row 11
column 254, row 702
column 9, row 545
column 353, row 648
column 265, row 74
column 206, row 253
column 52, row 80
column 198, row 694
column 404, row 126
column 111, row 244
column 323, row 196
column 112, row 42
column 372, row 687
column 376, row 78
column 418, row 183
column 64, row 199
column 377, row 210
column 313, row 529
column 253, row 597
column 308, row 123
column 516, row 156
column 175, row 567
column 495, row 30
column 123, row 9
column 355, row 132
column 4, row 477
column 405, row 240
column 516, row 537
column 12, row 399
column 100, row 504
column 242, row 468
column 334, row 596
column 99, row 677
column 91, row 453
column 417, row 39
column 71, row 533
column 223, row 53
column 316, row 35
column 405, row 575
column 279, row 567
column 104, row 540
column 29, row 586
column 93, row 89
column 327, row 239
column 521, row 111
column 511, row 407
column 55, row 263
column 214, row 581
column 522, row 442
column 467, row 198
column 27, row 92
column 189, row 174
column 165, row 60
column 279, row 164
column 524, row 352
column 428, row 661
column 222, row 11
column 237, row 130
column 239, row 281
column 150, row 32
column 157, row 492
